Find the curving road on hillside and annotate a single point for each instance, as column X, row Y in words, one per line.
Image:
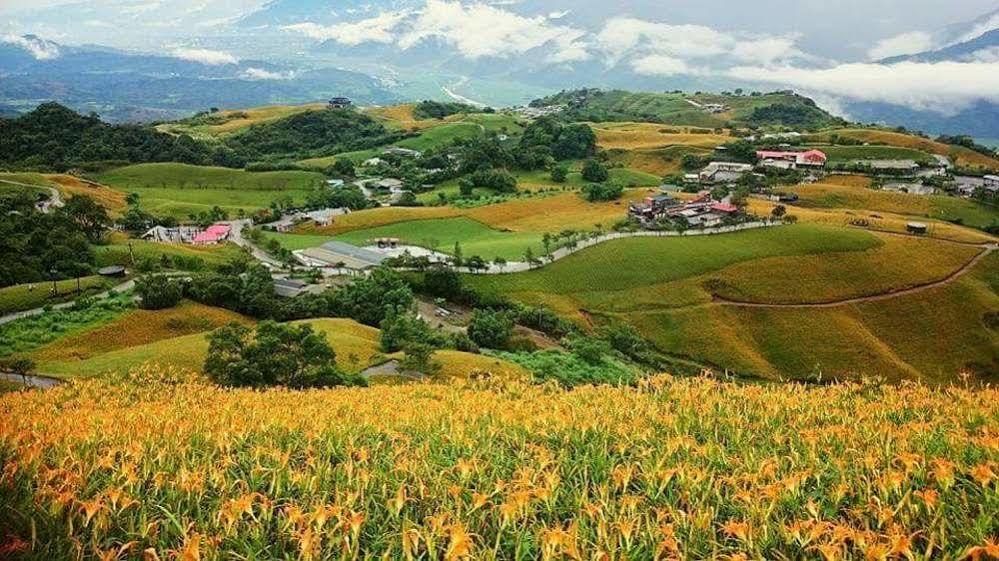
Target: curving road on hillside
column 54, row 200
column 986, row 250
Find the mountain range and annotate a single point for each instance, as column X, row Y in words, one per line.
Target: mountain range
column 503, row 53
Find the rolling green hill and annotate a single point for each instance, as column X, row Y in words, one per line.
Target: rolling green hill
column 682, row 109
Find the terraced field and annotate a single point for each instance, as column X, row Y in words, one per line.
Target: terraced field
column 665, row 288
column 178, row 189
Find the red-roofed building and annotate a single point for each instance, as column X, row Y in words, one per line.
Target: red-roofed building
column 216, row 233
column 776, row 158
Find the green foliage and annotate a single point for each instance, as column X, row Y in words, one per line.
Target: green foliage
column 276, row 354
column 371, row 299
column 610, row 191
column 438, row 110
column 559, row 174
column 54, row 137
column 595, row 172
column 497, row 180
column 419, row 358
column 491, row 329
column 158, row 292
column 547, row 140
column 798, row 115
column 342, row 167
column 442, row 282
column 27, row 334
column 310, row 134
column 36, row 247
column 571, row 370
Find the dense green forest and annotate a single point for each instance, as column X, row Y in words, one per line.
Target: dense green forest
column 53, row 137
column 439, row 109
column 311, row 134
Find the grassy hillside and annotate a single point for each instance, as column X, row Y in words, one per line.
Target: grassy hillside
column 666, row 289
column 179, row 189
column 227, row 122
column 682, row 468
column 958, row 154
column 676, row 109
column 828, row 195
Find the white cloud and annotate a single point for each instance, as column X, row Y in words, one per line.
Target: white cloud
column 660, row 65
column 980, row 29
column 623, row 34
column 476, row 30
column 766, row 50
column 378, row 29
column 261, row 74
column 39, row 48
column 479, row 30
column 904, row 44
column 943, row 87
column 205, row 56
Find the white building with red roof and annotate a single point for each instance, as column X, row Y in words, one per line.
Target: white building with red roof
column 792, row 160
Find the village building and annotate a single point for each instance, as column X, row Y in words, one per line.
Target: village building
column 812, row 159
column 340, row 255
column 389, row 184
column 402, row 152
column 723, row 172
column 371, row 162
column 888, row 165
column 911, row 188
column 341, row 103
column 179, row 234
column 701, row 212
column 212, row 235
column 335, row 183
column 991, row 183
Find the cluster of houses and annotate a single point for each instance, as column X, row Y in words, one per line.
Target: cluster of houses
column 321, row 217
column 810, row 159
column 701, row 212
column 212, row 235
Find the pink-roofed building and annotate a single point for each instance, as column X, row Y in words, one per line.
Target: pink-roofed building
column 725, row 208
column 216, row 233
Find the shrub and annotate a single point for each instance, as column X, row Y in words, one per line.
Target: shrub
column 490, row 329
column 276, row 354
column 158, row 292
column 595, row 171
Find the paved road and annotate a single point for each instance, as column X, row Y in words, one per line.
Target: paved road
column 34, row 381
column 54, row 200
column 986, row 250
column 236, row 237
column 123, row 287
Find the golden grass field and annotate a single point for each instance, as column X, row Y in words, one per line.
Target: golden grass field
column 958, row 154
column 883, row 221
column 235, row 120
column 69, row 186
column 643, row 136
column 551, row 213
column 138, row 327
column 160, row 465
column 401, row 117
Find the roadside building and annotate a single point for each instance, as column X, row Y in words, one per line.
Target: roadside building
column 723, row 172
column 905, row 166
column 402, row 152
column 290, row 288
column 814, row 159
column 212, row 235
column 340, row 255
column 991, row 183
column 341, row 103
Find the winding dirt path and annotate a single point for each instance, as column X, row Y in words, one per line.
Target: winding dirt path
column 986, row 250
